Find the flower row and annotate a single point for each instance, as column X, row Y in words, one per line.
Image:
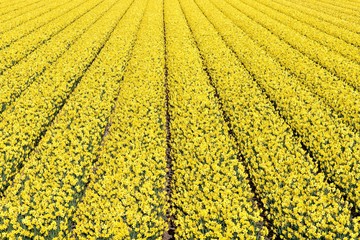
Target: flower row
column 328, row 58
column 334, row 145
column 330, row 24
column 17, row 79
column 211, row 193
column 341, row 8
column 14, row 32
column 127, row 197
column 296, row 198
column 27, row 44
column 23, row 124
column 24, row 10
column 42, row 200
column 333, row 43
column 317, row 79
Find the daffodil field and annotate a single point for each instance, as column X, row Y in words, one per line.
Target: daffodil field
column 180, row 119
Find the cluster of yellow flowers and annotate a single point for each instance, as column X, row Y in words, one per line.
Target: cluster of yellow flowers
column 23, row 124
column 341, row 9
column 17, row 10
column 43, row 197
column 124, row 119
column 333, row 43
column 15, row 80
column 14, row 32
column 127, row 197
column 15, row 17
column 300, row 202
column 314, row 76
column 210, row 188
column 333, row 144
column 27, row 44
column 345, row 30
column 11, row 6
column 328, row 58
